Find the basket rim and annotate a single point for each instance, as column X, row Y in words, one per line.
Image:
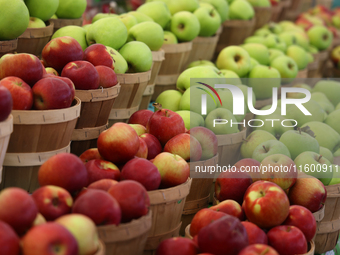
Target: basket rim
column 100, row 94
column 48, row 29
column 6, row 126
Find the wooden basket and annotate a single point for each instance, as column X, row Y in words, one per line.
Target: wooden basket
column 313, row 69
column 326, row 3
column 322, row 58
column 276, row 12
column 158, row 57
column 262, row 16
column 128, row 238
column 9, row 46
column 6, row 129
column 167, row 208
column 176, row 56
column 59, row 23
column 96, row 105
column 319, row 215
column 101, row 249
column 130, row 96
column 33, row 40
column 327, row 233
column 285, row 8
column 37, row 135
column 336, row 72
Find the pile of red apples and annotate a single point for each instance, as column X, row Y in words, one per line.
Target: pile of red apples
column 35, row 84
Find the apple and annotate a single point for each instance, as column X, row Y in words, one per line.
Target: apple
column 251, row 166
column 231, row 76
column 258, row 51
column 317, row 113
column 313, row 196
column 98, row 169
column 142, row 171
column 326, row 153
column 50, row 70
column 177, row 245
column 266, row 204
column 253, row 140
column 201, row 62
column 10, row 242
column 71, row 10
column 6, row 102
column 39, row 220
column 118, row 144
column 89, row 154
column 273, row 41
column 143, row 149
column 100, row 15
column 320, row 37
column 273, row 54
column 255, row 39
column 229, row 207
column 52, row 237
column 209, row 20
column 76, row 32
column 128, row 20
column 330, row 120
column 208, row 141
column 65, row 170
column 121, row 65
column 191, row 119
column 52, row 201
column 330, row 89
column 154, row 146
column 36, row 23
column 133, row 199
column 215, row 121
column 140, row 17
column 258, row 249
column 169, row 99
column 169, row 38
column 158, row 11
column 221, row 7
column 99, row 55
column 255, row 234
column 107, row 77
column 268, row 148
column 140, row 129
column 241, row 10
column 102, row 184
column 286, row 66
column 323, row 101
column 299, row 55
column 140, row 117
column 263, row 32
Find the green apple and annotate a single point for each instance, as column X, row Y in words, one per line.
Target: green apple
column 273, row 27
column 99, row 16
column 201, row 63
column 302, row 40
column 330, row 88
column 336, row 21
column 262, row 32
column 227, row 102
column 333, row 119
column 54, row 16
column 210, row 21
column 258, row 52
column 299, row 55
column 86, row 27
column 128, row 20
column 148, row 32
column 221, row 7
column 320, row 37
column 241, row 10
column 253, row 140
column 36, row 23
column 298, row 94
column 255, row 39
column 313, row 49
column 289, row 38
column 272, row 124
column 108, row 31
column 185, row 26
column 42, row 9
column 180, row 5
column 253, row 63
column 71, row 9
column 231, row 77
column 260, row 3
column 310, row 57
column 121, row 65
column 275, row 42
column 216, row 122
column 323, row 101
column 191, row 119
column 76, row 32
column 169, row 38
column 277, row 110
column 234, row 58
column 14, row 19
column 298, row 141
column 309, row 162
column 158, row 11
column 140, row 17
column 337, row 106
column 325, row 135
column 326, row 153
column 169, row 99
column 287, row 68
column 274, row 53
column 138, row 56
column 270, row 147
column 336, row 175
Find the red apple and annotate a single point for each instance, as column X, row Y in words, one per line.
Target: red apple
column 255, row 234
column 186, row 146
column 22, row 65
column 6, row 103
column 174, row 170
column 98, row 55
column 266, row 204
column 165, row 124
column 53, row 238
column 177, row 246
column 143, row 149
column 154, row 146
column 224, row 236
column 83, row 74
column 99, row 206
column 89, row 154
column 9, row 240
column 50, row 70
column 140, row 117
column 107, row 77
column 98, row 169
column 103, row 184
column 250, row 166
column 20, row 91
column 287, row 240
column 52, row 201
column 207, row 139
column 258, row 249
column 69, row 83
column 229, row 207
column 43, row 99
column 118, row 144
column 65, row 170
column 132, row 198
column 60, row 51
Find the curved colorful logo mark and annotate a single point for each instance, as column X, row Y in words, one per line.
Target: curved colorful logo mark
column 208, row 92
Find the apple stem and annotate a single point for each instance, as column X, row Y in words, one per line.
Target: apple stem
column 265, row 149
column 158, row 106
column 299, row 129
column 319, row 158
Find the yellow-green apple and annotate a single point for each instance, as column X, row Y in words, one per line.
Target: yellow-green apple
column 138, row 56
column 185, row 146
column 100, row 15
column 323, row 101
column 147, row 173
column 273, row 54
column 221, row 121
column 18, row 209
column 208, row 141
column 298, row 141
column 231, row 76
column 52, row 201
column 14, row 19
column 170, row 99
column 253, row 63
column 255, row 234
column 260, row 3
column 98, row 169
column 76, row 32
column 316, row 111
column 234, row 58
column 320, row 37
column 177, row 245
column 209, row 20
column 221, row 7
column 257, row 51
column 103, row 184
column 258, row 249
column 289, row 37
column 140, row 129
column 143, row 149
column 286, row 66
column 53, row 238
column 50, row 70
column 98, row 54
column 132, row 198
column 99, row 206
column 58, row 52
column 39, row 220
column 154, row 146
column 303, row 219
column 203, row 218
column 232, row 185
column 118, row 144
column 308, row 192
column 224, row 236
column 165, row 124
column 83, row 229
column 128, row 20
column 298, row 94
column 89, row 154
column 275, row 42
column 71, row 10
column 241, row 10
column 326, row 153
column 36, row 23
column 20, row 97
column 141, row 17
column 201, row 62
column 250, row 166
column 253, row 140
column 43, row 99
column 254, row 39
column 191, row 119
column 330, row 89
column 263, row 32
column 274, row 125
column 335, row 56
column 121, row 65
column 266, row 204
column 148, row 32
column 330, row 120
column 65, row 170
column 140, row 117
column 169, row 38
column 274, row 27
column 25, row 66
column 178, row 5
column 158, row 11
column 6, row 102
column 107, row 77
column 229, row 207
column 174, row 169
column 9, row 240
column 268, row 148
column 299, row 55
column 287, row 239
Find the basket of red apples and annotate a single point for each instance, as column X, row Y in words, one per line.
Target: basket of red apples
column 45, row 111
